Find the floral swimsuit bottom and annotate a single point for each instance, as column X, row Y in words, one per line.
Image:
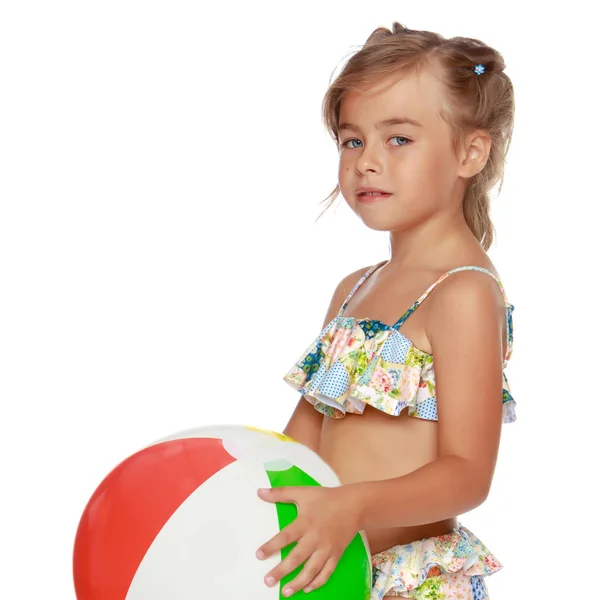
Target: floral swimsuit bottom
column 355, row 362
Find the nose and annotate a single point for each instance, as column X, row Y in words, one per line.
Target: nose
column 369, row 160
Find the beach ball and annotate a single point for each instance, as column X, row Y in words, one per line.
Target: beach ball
column 181, row 520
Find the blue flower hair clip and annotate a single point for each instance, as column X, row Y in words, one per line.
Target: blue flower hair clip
column 479, row 69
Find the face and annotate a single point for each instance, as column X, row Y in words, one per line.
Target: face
column 413, row 162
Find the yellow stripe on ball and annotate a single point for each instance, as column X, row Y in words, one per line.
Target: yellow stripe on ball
column 279, row 436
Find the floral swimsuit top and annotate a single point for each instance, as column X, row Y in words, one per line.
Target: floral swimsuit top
column 355, row 362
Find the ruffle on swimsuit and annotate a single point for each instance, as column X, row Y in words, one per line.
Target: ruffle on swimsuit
column 355, row 362
column 404, row 568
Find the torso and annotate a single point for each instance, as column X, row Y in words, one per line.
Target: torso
column 375, row 445
column 389, row 447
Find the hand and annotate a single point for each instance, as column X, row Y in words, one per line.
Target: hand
column 327, row 521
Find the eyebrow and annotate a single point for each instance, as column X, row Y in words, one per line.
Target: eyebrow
column 384, row 123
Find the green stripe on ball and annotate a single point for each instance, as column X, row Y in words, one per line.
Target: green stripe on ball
column 351, row 579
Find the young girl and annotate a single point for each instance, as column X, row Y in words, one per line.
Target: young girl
column 404, row 392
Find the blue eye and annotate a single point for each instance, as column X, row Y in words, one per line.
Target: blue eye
column 396, row 137
column 352, row 140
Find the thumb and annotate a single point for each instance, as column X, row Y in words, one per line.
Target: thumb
column 284, row 494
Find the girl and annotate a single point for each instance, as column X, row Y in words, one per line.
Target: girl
column 406, row 405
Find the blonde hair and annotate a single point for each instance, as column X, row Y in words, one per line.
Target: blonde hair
column 471, row 102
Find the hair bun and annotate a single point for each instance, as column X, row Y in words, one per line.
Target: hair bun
column 399, row 28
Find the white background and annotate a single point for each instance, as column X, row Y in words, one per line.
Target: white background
column 160, row 266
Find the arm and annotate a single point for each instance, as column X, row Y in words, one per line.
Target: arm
column 305, row 423
column 465, row 328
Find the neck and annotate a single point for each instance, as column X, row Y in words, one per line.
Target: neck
column 430, row 243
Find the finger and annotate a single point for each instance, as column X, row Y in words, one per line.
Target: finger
column 314, row 565
column 323, row 577
column 288, row 495
column 285, row 537
column 301, row 552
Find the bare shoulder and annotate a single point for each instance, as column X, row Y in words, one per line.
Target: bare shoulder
column 468, row 289
column 349, row 281
column 343, row 288
column 467, row 298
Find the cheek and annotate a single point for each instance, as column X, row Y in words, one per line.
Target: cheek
column 430, row 175
column 346, row 179
column 344, row 167
column 443, row 164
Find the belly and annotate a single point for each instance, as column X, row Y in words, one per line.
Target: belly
column 375, row 446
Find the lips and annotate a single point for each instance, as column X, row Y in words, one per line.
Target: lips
column 369, row 195
column 364, row 190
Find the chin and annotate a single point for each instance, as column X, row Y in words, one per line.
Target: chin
column 376, row 222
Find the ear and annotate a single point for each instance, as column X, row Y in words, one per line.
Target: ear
column 474, row 153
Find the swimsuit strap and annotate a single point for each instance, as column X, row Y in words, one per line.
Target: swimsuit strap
column 358, row 284
column 428, row 291
column 509, row 306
